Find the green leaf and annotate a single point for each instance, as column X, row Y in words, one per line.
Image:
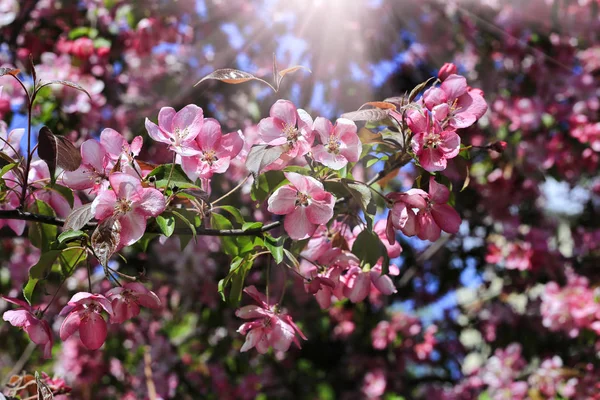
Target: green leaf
column 29, row 288
column 275, row 246
column 363, row 196
column 42, row 235
column 265, row 184
column 230, row 246
column 68, row 236
column 64, row 192
column 236, row 277
column 369, row 249
column 237, row 215
column 7, row 168
column 183, row 239
column 166, row 223
column 178, row 178
column 70, row 258
column 39, row 271
column 418, row 89
column 83, row 31
column 252, row 225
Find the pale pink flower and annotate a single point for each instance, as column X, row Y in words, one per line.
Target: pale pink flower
column 39, row 176
column 357, row 284
column 382, row 282
column 339, row 144
column 127, row 299
column 269, row 328
column 177, row 129
column 84, row 314
column 38, row 330
column 11, row 201
column 131, row 203
column 374, row 384
column 215, row 151
column 453, row 103
column 402, row 214
column 10, row 142
column 119, row 150
column 305, row 204
column 288, row 127
column 93, row 171
column 437, row 216
column 432, row 145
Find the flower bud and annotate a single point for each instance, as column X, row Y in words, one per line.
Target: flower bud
column 446, row 70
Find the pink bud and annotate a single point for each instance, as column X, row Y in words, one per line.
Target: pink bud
column 446, row 70
column 498, row 146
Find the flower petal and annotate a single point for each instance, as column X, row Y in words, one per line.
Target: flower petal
column 282, row 201
column 133, row 226
column 93, row 331
column 297, row 225
column 152, row 203
column 70, row 325
column 285, row 111
column 446, row 218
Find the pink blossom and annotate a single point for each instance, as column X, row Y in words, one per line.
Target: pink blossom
column 305, row 204
column 177, row 129
column 93, row 171
column 215, row 151
column 127, row 299
column 84, row 314
column 446, row 70
column 131, row 203
column 383, row 335
column 39, row 175
column 357, row 284
column 437, row 216
column 119, row 150
column 269, row 328
column 11, row 201
column 10, row 142
column 432, row 145
column 383, row 283
column 454, row 104
column 339, row 144
column 402, row 215
column 288, row 127
column 374, row 384
column 38, row 330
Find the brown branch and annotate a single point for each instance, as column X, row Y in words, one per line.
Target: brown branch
column 45, row 219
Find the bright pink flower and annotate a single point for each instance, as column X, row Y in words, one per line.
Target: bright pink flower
column 270, row 328
column 357, row 284
column 321, row 283
column 215, row 151
column 431, row 144
column 84, row 314
column 177, row 129
column 383, row 283
column 38, row 330
column 11, row 201
column 305, row 204
column 289, row 127
column 119, row 150
column 127, row 299
column 437, row 216
column 374, row 384
column 339, row 144
column 93, row 171
column 131, row 203
column 453, row 103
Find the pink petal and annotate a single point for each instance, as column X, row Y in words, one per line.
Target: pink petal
column 210, row 135
column 324, row 128
column 123, row 311
column 432, row 159
column 383, row 283
column 251, row 311
column 70, row 325
column 301, row 182
column 285, row 111
column 252, row 338
column 133, row 226
column 136, row 145
column 191, row 165
column 93, row 331
column 37, row 332
column 152, row 203
column 450, row 144
column 125, row 186
column 271, row 131
column 441, row 111
column 446, row 218
column 103, row 205
column 306, row 123
column 454, row 86
column 358, row 286
column 253, row 292
column 428, row 229
column 434, row 96
column 155, row 132
column 17, row 318
column 18, row 302
column 92, row 153
column 439, row 193
column 189, row 120
column 281, row 336
column 328, row 159
column 113, row 142
column 297, row 224
column 416, row 120
column 282, row 201
column 149, row 300
column 17, row 226
column 320, row 212
column 165, row 119
column 231, row 144
column 352, row 147
column 80, row 179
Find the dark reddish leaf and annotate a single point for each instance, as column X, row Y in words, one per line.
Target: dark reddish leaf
column 79, row 217
column 105, row 239
column 57, row 151
column 290, row 70
column 384, row 105
column 66, row 83
column 262, row 155
column 9, row 71
column 367, row 115
column 233, row 76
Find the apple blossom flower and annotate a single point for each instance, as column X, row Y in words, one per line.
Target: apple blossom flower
column 177, row 129
column 382, row 282
column 357, row 284
column 93, row 171
column 10, row 200
column 339, row 143
column 269, row 328
column 437, row 216
column 402, row 214
column 84, row 314
column 305, row 204
column 131, row 203
column 215, row 151
column 453, row 103
column 446, row 70
column 39, row 176
column 10, row 142
column 127, row 299
column 289, row 127
column 118, row 149
column 38, row 330
column 432, row 145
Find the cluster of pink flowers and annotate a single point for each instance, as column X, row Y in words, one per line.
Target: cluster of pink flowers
column 571, row 308
column 433, row 214
column 84, row 314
